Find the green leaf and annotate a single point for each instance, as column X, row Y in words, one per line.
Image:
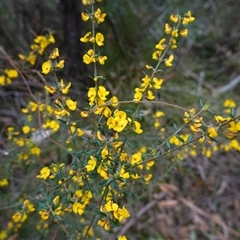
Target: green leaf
column 189, row 138
column 62, row 121
column 119, row 167
column 206, row 106
column 175, row 126
column 58, row 217
column 158, row 153
column 210, row 111
column 108, row 181
column 201, row 103
column 180, row 138
column 232, row 112
column 213, row 139
column 128, row 110
column 168, row 144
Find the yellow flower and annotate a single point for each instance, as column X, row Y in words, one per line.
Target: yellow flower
column 122, row 238
column 99, row 39
column 3, row 235
column 50, row 89
column 156, row 55
column 174, row 18
column 78, row 193
column 150, row 95
column 99, row 16
column 84, row 114
column 102, row 93
column 31, row 58
column 188, row 18
column 233, row 127
column 137, row 126
column 72, row 105
column 11, row 73
column 60, row 64
column 89, row 57
column 121, row 213
column 85, row 17
column 80, row 132
column 86, row 37
column 114, row 101
column 3, row 182
column 194, row 128
column 175, row 33
column 51, row 39
column 87, row 2
column 44, row 173
column 102, row 59
column 221, row 119
column 212, row 133
column 168, row 28
column 92, row 95
column 124, row 174
column 35, row 151
column 58, row 210
column 184, row 32
column 19, row 217
column 160, row 45
column 54, row 54
column 104, row 223
column 102, row 172
column 46, row 67
column 110, row 206
column 157, row 83
column 56, row 200
column 168, row 62
column 26, row 129
column 2, row 80
column 146, row 81
column 78, row 208
column 173, row 43
column 147, row 178
column 91, row 164
column 136, row 158
column 118, row 122
column 159, row 114
column 104, row 153
column 149, row 164
column 64, row 88
column 138, row 94
column 228, row 103
column 44, row 214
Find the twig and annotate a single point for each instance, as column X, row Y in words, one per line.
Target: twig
column 229, row 86
column 209, row 216
column 200, row 80
column 141, row 212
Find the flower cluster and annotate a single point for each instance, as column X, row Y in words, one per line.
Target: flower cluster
column 52, row 63
column 91, row 56
column 40, row 43
column 173, row 30
column 8, row 76
column 20, row 216
column 112, row 212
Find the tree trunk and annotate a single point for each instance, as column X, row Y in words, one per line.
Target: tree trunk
column 74, row 68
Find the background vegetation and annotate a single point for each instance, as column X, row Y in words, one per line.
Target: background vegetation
column 196, row 198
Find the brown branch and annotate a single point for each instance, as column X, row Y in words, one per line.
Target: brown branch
column 141, row 212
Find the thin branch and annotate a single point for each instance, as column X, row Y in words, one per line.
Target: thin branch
column 139, row 214
column 229, row 86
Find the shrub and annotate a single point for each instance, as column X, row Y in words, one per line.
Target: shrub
column 82, row 179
